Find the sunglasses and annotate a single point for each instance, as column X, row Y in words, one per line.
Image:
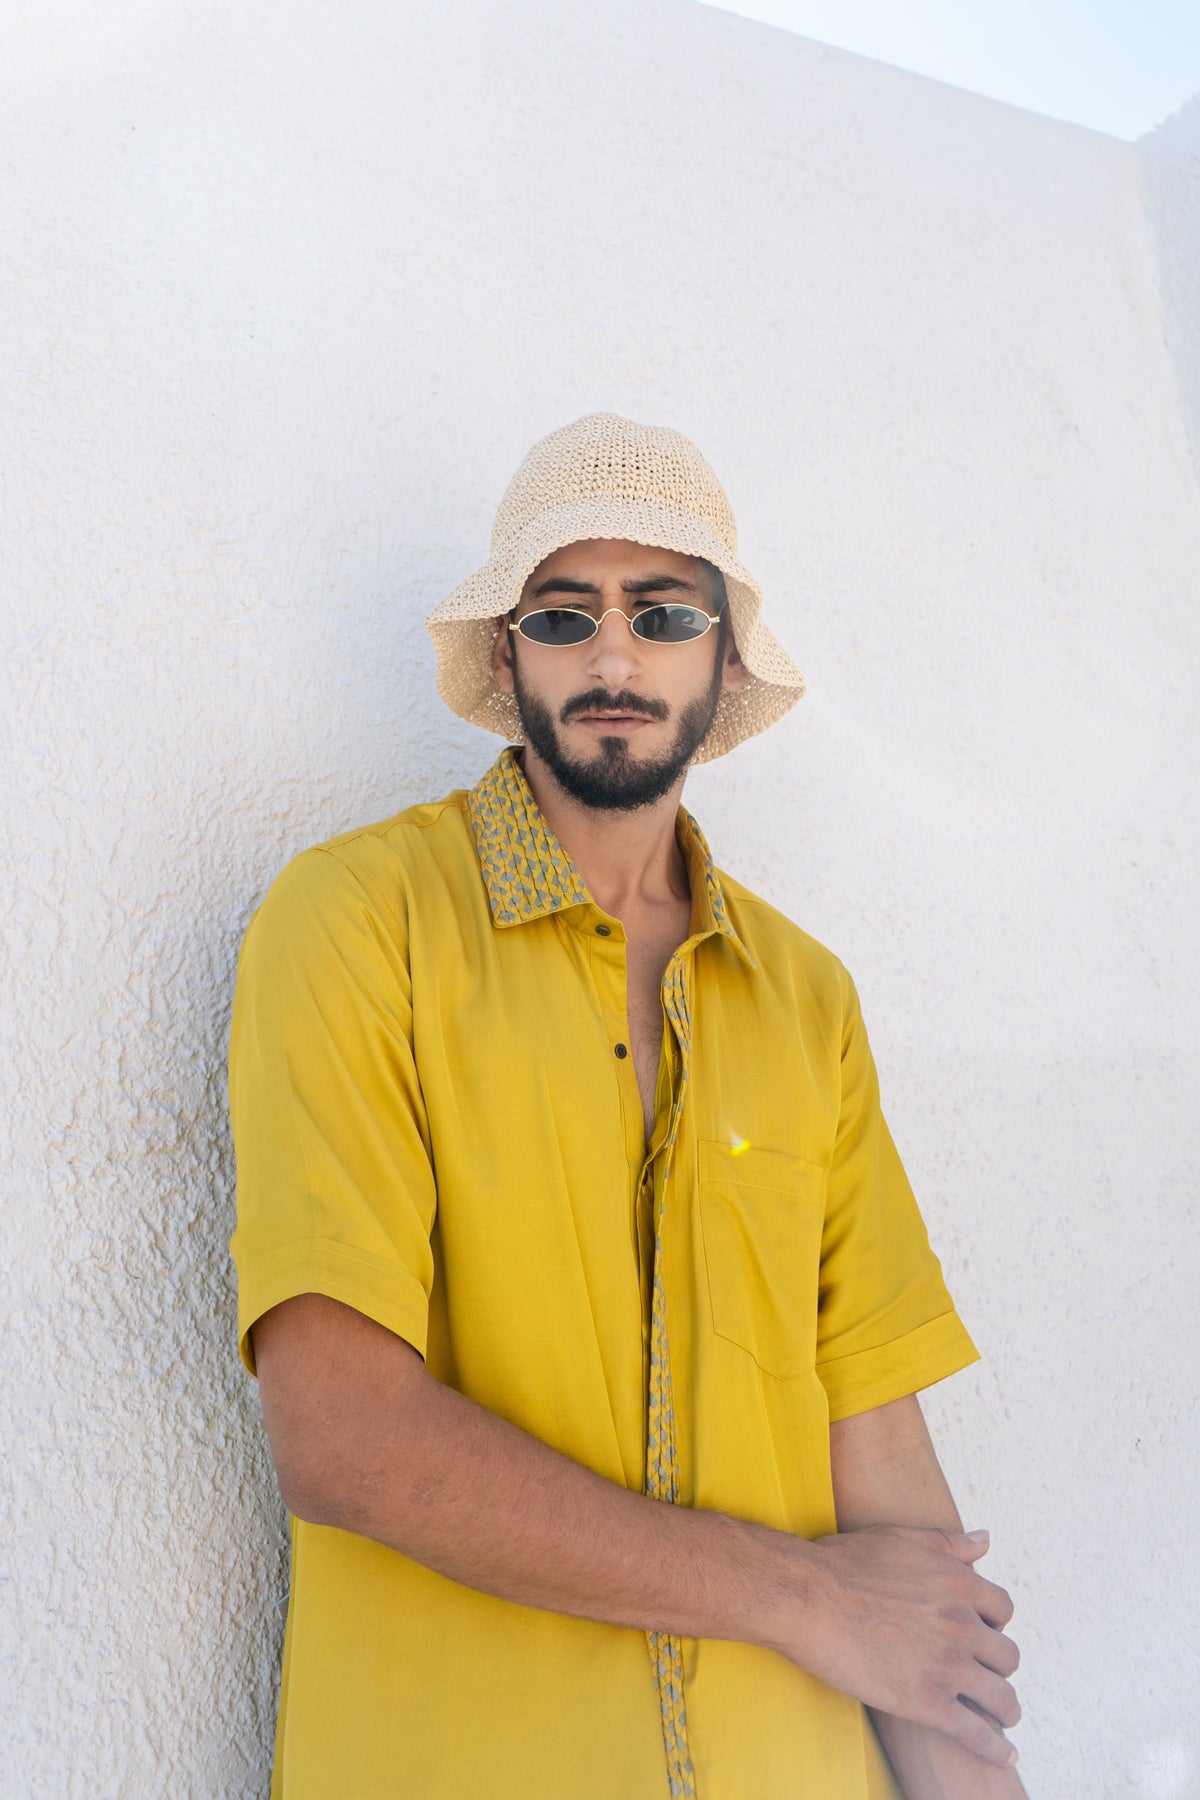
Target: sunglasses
column 668, row 623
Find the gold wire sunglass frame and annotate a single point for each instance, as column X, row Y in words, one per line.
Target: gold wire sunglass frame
column 577, row 612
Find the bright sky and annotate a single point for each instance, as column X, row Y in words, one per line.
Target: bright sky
column 1120, row 66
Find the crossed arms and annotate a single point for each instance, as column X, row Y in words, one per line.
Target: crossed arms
column 889, row 1610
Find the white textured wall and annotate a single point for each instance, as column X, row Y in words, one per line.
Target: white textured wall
column 1170, row 159
column 288, row 293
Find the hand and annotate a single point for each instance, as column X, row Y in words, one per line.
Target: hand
column 898, row 1618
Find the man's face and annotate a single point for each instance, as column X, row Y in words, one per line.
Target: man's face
column 616, row 719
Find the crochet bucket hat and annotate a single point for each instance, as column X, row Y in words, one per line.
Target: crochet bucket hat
column 606, row 477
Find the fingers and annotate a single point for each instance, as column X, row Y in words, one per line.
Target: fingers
column 964, row 1546
column 976, row 1732
column 993, row 1695
column 993, row 1604
column 953, row 1672
column 999, row 1653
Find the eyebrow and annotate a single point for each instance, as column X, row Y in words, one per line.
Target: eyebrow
column 652, row 584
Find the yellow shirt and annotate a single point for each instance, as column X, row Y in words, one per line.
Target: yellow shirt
column 436, row 1122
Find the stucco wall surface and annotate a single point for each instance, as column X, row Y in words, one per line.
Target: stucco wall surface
column 286, row 296
column 1170, row 158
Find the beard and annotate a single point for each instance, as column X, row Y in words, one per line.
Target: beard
column 615, row 781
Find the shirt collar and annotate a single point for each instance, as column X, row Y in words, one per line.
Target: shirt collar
column 528, row 874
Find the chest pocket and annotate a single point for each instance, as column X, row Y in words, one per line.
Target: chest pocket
column 762, row 1214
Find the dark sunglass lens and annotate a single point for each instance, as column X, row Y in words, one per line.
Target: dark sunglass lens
column 670, row 624
column 556, row 625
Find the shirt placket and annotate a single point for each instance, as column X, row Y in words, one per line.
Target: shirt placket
column 528, row 875
column 662, row 1453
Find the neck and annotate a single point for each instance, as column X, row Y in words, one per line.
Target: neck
column 625, row 858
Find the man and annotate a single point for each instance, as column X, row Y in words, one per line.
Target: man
column 587, row 1296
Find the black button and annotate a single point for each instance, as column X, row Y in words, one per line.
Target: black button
column 603, row 931
column 621, row 1050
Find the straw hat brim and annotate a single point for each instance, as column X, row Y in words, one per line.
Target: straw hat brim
column 463, row 626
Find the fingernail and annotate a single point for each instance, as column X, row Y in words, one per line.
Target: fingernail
column 1012, row 1755
column 978, row 1537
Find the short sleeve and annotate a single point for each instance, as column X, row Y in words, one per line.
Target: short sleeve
column 886, row 1323
column 335, row 1189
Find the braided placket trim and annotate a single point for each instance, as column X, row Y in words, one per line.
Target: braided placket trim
column 662, row 1456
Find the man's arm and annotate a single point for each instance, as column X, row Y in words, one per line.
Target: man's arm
column 885, row 1471
column 365, row 1439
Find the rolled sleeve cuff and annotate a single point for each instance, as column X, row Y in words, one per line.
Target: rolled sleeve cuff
column 867, row 1378
column 384, row 1291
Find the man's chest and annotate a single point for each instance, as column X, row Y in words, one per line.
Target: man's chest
column 535, row 1128
column 540, row 1047
column 650, row 945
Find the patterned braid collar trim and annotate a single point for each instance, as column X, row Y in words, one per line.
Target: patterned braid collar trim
column 528, row 874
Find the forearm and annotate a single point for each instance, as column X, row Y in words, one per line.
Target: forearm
column 479, row 1500
column 405, row 1460
column 931, row 1766
column 885, row 1470
column 367, row 1441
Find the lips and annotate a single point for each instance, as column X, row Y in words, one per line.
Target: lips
column 612, row 709
column 622, row 723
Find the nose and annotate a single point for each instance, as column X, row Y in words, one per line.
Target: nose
column 614, row 659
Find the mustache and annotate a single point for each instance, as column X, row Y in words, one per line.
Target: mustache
column 600, row 700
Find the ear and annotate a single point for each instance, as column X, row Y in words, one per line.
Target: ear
column 502, row 657
column 734, row 673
